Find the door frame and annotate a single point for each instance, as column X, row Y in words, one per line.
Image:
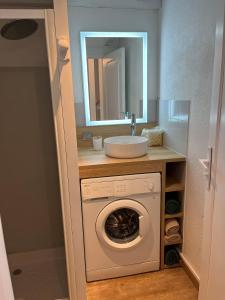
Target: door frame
column 56, row 25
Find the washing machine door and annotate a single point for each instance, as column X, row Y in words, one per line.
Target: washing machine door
column 122, row 224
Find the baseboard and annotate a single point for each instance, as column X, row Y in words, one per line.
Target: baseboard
column 190, row 271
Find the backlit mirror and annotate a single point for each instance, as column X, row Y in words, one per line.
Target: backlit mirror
column 114, row 66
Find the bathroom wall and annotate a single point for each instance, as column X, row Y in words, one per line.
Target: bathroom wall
column 187, row 51
column 112, row 19
column 30, row 200
column 174, row 116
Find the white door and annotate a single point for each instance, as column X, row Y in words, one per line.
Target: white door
column 92, row 88
column 114, row 84
column 216, row 281
column 6, row 290
column 213, row 248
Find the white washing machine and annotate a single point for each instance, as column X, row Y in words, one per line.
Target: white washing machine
column 121, row 220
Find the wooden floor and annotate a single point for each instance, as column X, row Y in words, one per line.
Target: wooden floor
column 170, row 284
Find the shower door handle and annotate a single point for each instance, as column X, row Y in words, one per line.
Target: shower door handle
column 207, row 167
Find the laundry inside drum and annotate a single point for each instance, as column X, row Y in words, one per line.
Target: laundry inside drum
column 122, row 225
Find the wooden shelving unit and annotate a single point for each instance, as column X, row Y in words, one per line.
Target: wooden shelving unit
column 174, row 182
column 173, row 243
column 173, row 185
column 173, row 266
column 170, row 164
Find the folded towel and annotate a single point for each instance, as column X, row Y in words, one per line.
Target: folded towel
column 172, row 257
column 173, row 205
column 173, row 238
column 171, row 226
column 154, row 136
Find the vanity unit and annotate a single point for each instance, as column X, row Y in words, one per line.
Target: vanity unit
column 117, row 92
column 169, row 164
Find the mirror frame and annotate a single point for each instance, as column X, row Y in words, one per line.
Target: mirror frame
column 86, row 34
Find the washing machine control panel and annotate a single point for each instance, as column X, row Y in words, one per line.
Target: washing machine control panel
column 97, row 190
column 120, row 186
column 132, row 187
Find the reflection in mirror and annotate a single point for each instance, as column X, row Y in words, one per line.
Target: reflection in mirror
column 114, row 77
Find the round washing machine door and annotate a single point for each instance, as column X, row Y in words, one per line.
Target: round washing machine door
column 122, row 224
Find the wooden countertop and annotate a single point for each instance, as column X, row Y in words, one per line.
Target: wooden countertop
column 96, row 163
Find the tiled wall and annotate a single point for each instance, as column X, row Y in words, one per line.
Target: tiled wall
column 174, row 118
column 30, row 198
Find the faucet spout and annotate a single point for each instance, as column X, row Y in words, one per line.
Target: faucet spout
column 133, row 124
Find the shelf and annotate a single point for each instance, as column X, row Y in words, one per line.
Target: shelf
column 173, row 185
column 173, row 243
column 173, row 266
column 179, row 215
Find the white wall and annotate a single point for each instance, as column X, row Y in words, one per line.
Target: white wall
column 116, row 19
column 187, row 50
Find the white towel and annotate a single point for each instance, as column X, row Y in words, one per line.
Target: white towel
column 171, row 226
column 154, row 136
column 173, row 238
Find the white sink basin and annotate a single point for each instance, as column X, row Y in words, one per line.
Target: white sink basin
column 126, row 146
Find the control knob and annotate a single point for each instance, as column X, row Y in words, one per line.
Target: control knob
column 151, row 187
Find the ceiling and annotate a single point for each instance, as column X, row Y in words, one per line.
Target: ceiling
column 26, row 3
column 135, row 4
column 30, row 51
column 142, row 4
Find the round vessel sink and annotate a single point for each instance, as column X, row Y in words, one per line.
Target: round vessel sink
column 126, row 146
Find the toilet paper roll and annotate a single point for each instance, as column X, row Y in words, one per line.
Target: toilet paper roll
column 97, row 143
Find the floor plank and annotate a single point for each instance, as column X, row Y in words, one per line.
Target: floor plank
column 171, row 284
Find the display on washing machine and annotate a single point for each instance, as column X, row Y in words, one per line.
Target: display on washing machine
column 122, row 225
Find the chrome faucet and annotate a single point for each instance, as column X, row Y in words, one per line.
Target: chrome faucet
column 133, row 124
